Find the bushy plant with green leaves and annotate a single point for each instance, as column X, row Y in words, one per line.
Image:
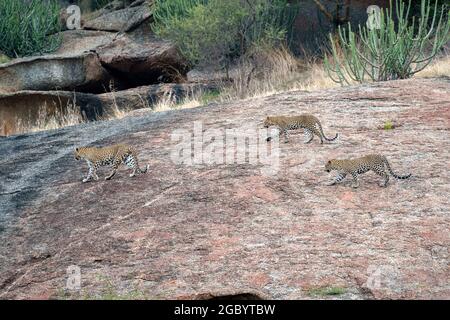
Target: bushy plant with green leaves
column 29, row 27
column 396, row 48
column 217, row 31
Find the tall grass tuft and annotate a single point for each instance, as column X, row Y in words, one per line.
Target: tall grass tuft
column 273, row 71
column 29, row 27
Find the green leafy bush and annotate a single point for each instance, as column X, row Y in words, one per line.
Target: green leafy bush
column 400, row 47
column 217, row 31
column 29, row 27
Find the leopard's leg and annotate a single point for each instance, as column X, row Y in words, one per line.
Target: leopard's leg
column 116, row 164
column 381, row 172
column 316, row 131
column 132, row 163
column 286, row 135
column 269, row 138
column 355, row 183
column 341, row 176
column 92, row 174
column 309, row 136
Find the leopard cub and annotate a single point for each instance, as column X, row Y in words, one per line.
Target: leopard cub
column 375, row 162
column 112, row 155
column 310, row 124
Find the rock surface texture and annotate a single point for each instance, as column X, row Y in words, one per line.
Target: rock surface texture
column 199, row 231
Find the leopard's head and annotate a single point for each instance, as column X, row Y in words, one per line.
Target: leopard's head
column 269, row 122
column 79, row 153
column 331, row 165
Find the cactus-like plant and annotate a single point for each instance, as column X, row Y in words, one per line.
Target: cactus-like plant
column 394, row 48
column 29, row 27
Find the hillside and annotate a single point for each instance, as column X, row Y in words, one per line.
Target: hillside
column 202, row 231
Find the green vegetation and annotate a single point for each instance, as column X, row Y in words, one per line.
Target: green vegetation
column 3, row 58
column 388, row 125
column 395, row 50
column 29, row 27
column 217, row 31
column 326, row 291
column 107, row 292
column 209, row 96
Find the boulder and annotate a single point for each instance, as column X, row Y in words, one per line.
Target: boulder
column 79, row 41
column 82, row 72
column 148, row 96
column 198, row 231
column 118, row 16
column 89, row 59
column 139, row 58
column 115, row 20
column 142, row 15
column 29, row 107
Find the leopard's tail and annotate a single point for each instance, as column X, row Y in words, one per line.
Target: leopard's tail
column 323, row 135
column 393, row 173
column 135, row 162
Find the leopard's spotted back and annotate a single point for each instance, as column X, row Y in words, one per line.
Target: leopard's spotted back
column 308, row 122
column 375, row 162
column 106, row 155
column 111, row 155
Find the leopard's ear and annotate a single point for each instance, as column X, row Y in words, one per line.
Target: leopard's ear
column 76, row 149
column 329, row 162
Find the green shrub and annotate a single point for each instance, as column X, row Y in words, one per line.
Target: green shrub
column 29, row 27
column 3, row 58
column 217, row 31
column 399, row 48
column 388, row 125
column 326, row 291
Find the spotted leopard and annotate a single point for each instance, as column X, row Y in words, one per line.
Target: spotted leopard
column 375, row 162
column 112, row 155
column 310, row 124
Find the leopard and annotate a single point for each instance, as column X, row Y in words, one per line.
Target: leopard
column 113, row 155
column 376, row 162
column 309, row 123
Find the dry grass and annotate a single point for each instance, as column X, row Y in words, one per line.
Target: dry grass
column 276, row 71
column 169, row 102
column 438, row 68
column 60, row 116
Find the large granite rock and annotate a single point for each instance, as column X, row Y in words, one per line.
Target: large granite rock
column 80, row 41
column 27, row 107
column 112, row 21
column 212, row 230
column 139, row 58
column 88, row 61
column 82, row 72
column 117, row 19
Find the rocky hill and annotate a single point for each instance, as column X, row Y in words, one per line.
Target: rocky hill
column 200, row 231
